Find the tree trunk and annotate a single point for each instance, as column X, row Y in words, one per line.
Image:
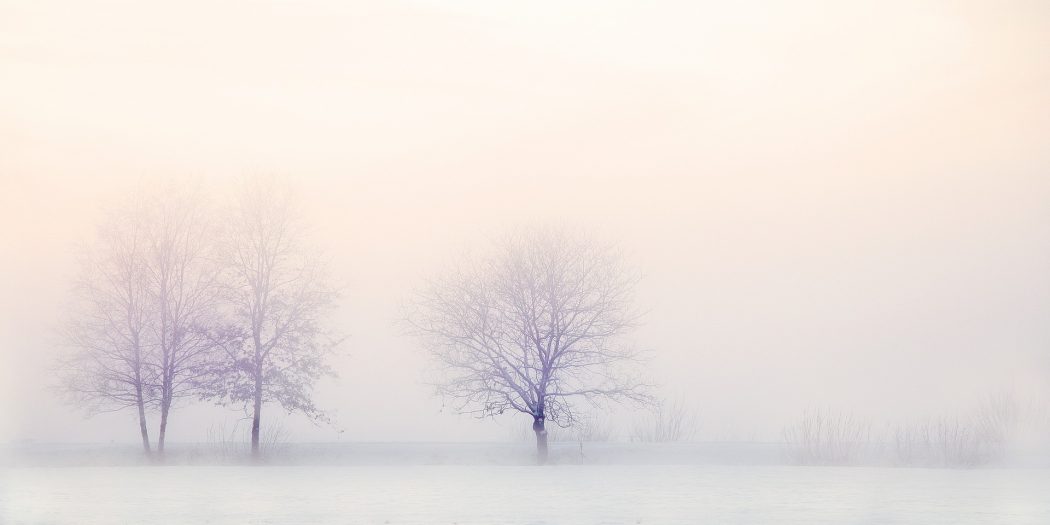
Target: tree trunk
column 142, row 420
column 138, row 394
column 541, row 439
column 164, row 407
column 256, row 416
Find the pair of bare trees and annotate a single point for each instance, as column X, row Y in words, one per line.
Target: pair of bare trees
column 145, row 300
column 176, row 301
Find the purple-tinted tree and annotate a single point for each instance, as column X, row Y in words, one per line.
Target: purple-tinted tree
column 108, row 365
column 535, row 328
column 276, row 346
column 183, row 285
column 144, row 307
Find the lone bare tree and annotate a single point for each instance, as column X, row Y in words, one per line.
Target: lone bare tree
column 107, row 329
column 533, row 328
column 276, row 348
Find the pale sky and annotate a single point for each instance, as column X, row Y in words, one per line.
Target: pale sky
column 839, row 204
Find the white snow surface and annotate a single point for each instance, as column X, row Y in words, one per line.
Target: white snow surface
column 521, row 494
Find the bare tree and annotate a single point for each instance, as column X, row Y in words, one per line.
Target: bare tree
column 276, row 347
column 145, row 301
column 533, row 328
column 108, row 367
column 183, row 285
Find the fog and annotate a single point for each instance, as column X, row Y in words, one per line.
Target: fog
column 832, row 206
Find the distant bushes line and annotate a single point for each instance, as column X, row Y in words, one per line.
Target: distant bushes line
column 983, row 435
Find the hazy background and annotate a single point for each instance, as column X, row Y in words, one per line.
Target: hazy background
column 833, row 205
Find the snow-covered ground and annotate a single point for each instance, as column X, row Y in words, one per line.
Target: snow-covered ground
column 300, row 454
column 520, row 494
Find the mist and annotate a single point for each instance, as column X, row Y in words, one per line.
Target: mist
column 868, row 233
column 831, row 207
